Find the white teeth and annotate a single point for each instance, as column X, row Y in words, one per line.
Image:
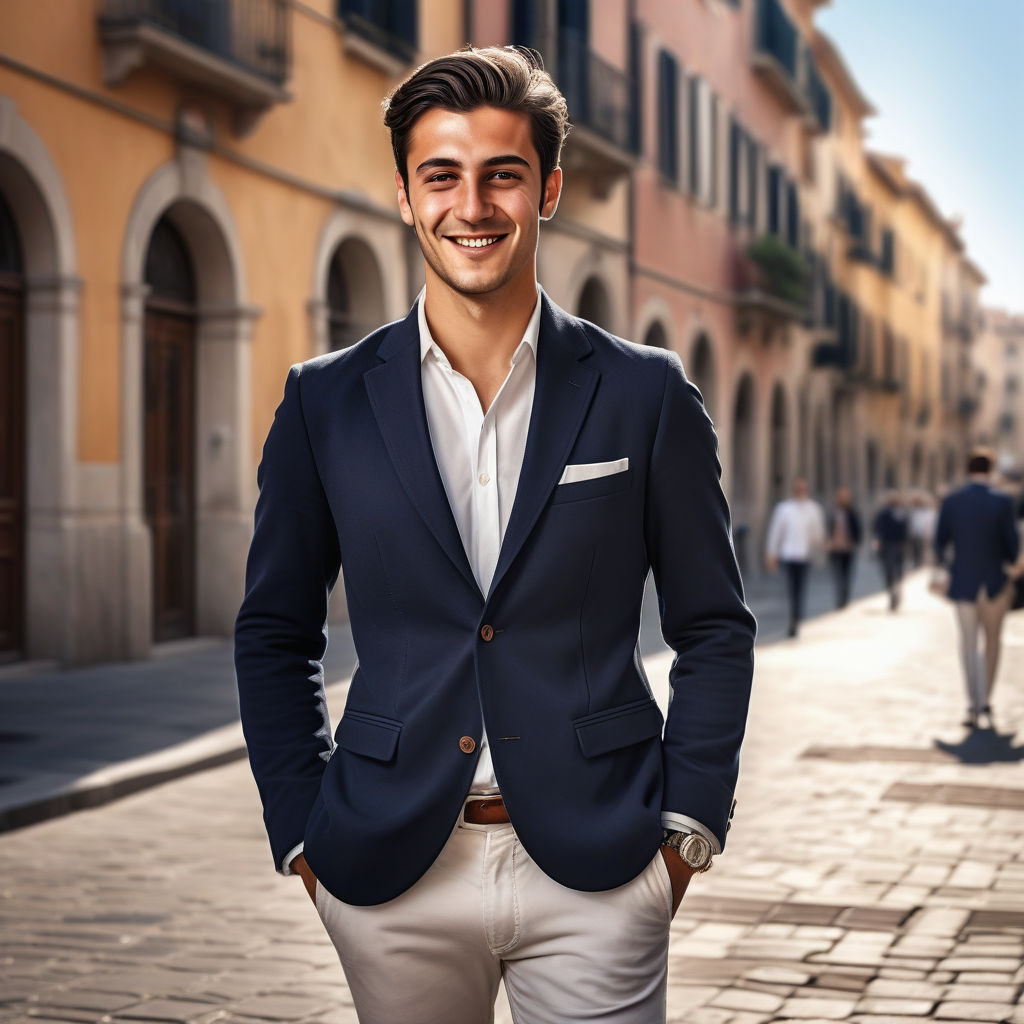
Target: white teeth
column 475, row 243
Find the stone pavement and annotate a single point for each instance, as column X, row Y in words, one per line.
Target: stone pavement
column 875, row 872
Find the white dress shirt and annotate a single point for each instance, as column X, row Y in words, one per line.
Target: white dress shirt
column 796, row 531
column 480, row 456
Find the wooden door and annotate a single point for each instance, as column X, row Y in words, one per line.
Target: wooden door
column 12, row 468
column 170, row 470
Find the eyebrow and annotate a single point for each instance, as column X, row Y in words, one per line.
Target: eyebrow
column 494, row 161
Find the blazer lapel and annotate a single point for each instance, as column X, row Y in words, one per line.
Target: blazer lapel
column 565, row 387
column 395, row 391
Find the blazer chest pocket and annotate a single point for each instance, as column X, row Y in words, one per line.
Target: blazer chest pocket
column 373, row 736
column 618, row 727
column 598, row 487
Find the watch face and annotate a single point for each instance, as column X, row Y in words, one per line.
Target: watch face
column 696, row 851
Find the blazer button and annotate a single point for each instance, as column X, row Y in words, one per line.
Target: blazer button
column 467, row 744
column 487, row 633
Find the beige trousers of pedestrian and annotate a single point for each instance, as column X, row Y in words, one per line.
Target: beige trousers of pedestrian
column 980, row 619
column 484, row 911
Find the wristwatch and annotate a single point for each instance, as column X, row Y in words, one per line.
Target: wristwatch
column 692, row 847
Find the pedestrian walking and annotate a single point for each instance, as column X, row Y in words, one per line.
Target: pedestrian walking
column 494, row 478
column 796, row 532
column 976, row 539
column 843, row 530
column 890, row 530
column 924, row 515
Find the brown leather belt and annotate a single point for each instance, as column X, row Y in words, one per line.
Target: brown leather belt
column 485, row 811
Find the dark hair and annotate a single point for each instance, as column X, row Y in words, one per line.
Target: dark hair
column 980, row 460
column 509, row 77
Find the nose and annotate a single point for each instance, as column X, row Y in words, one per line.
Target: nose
column 472, row 205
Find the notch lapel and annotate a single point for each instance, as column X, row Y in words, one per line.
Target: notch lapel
column 563, row 393
column 395, row 391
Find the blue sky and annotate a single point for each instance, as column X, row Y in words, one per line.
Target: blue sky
column 946, row 79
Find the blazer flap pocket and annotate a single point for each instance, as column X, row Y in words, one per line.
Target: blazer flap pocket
column 595, row 487
column 369, row 735
column 618, row 727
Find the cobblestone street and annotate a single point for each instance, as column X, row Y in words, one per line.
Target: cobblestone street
column 875, row 872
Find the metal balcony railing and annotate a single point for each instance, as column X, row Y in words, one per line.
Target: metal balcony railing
column 599, row 95
column 251, row 34
column 390, row 25
column 777, row 35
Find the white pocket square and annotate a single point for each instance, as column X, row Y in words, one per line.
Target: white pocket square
column 592, row 470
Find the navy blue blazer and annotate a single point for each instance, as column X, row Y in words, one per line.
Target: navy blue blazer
column 979, row 524
column 348, row 480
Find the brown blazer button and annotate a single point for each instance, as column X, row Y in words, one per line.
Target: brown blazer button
column 487, row 633
column 467, row 744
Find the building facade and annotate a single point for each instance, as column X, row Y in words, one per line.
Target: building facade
column 195, row 194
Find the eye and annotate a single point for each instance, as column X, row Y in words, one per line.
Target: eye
column 505, row 176
column 441, row 177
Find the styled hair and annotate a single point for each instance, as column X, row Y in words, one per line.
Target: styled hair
column 508, row 77
column 980, row 460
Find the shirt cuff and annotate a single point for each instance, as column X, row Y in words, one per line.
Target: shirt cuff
column 681, row 823
column 289, row 857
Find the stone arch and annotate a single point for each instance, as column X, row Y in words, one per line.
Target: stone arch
column 355, row 293
column 183, row 192
column 656, row 336
column 779, row 471
column 595, row 303
column 53, row 608
column 366, row 243
column 702, row 371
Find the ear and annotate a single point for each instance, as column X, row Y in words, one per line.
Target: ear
column 552, row 193
column 403, row 201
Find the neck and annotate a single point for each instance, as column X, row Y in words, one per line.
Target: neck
column 479, row 333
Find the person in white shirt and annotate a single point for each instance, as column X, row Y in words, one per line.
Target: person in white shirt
column 795, row 534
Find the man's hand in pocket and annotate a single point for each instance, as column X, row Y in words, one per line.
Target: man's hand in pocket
column 300, row 867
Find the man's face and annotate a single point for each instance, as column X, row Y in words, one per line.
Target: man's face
column 800, row 488
column 475, row 197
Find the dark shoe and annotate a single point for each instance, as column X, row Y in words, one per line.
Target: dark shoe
column 793, row 629
column 971, row 721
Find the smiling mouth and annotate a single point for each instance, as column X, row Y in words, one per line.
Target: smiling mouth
column 482, row 242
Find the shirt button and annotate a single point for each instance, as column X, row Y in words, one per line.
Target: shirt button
column 487, row 633
column 484, row 478
column 467, row 744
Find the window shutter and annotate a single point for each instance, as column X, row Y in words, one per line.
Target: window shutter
column 668, row 116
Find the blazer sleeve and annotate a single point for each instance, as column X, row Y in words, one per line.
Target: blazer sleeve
column 1008, row 528
column 281, row 631
column 703, row 615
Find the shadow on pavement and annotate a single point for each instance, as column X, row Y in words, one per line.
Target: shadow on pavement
column 984, row 746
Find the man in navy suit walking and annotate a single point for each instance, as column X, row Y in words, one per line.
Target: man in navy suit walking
column 493, row 479
column 978, row 523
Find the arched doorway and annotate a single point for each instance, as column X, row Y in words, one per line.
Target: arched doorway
column 702, row 372
column 169, row 373
column 656, row 336
column 744, row 484
column 820, row 482
column 871, row 465
column 355, row 294
column 12, row 438
column 779, row 445
column 594, row 304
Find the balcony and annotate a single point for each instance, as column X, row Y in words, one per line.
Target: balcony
column 239, row 51
column 600, row 98
column 776, row 53
column 382, row 33
column 770, row 283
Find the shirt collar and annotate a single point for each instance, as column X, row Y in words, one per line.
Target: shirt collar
column 430, row 347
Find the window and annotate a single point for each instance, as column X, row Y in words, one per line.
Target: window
column 774, row 199
column 754, row 163
column 702, row 141
column 735, row 148
column 792, row 215
column 668, row 116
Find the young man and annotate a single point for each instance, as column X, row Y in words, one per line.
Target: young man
column 979, row 524
column 796, row 532
column 494, row 478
